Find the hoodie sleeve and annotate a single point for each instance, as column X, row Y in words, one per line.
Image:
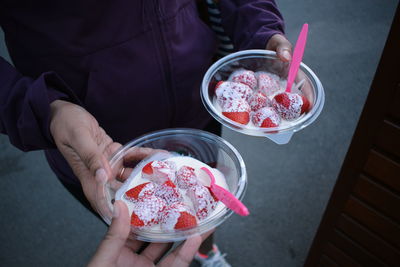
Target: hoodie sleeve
column 250, row 23
column 25, row 106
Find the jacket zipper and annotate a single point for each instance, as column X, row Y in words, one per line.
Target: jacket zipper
column 164, row 61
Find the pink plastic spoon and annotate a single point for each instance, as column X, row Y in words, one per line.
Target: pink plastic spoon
column 226, row 197
column 297, row 57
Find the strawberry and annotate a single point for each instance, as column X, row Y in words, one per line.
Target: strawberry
column 135, row 221
column 168, row 192
column 147, row 169
column 177, row 216
column 283, row 99
column 306, row 105
column 186, row 220
column 259, row 100
column 268, row 83
column 239, row 117
column 267, row 123
column 169, row 183
column 159, row 171
column 229, row 91
column 265, row 118
column 243, row 76
column 141, row 190
column 237, row 110
column 203, row 202
column 290, row 105
column 186, row 177
column 146, row 211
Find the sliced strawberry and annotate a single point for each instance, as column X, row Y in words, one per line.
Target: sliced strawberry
column 147, row 210
column 268, row 83
column 283, row 99
column 168, row 192
column 159, row 171
column 178, row 215
column 133, row 193
column 135, row 221
column 148, row 169
column 246, row 77
column 186, row 177
column 203, row 201
column 265, row 117
column 169, row 183
column 240, row 117
column 259, row 100
column 290, row 105
column 186, row 220
column 267, row 123
column 306, row 105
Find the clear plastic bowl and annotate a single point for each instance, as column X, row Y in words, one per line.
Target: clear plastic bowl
column 201, row 145
column 263, row 60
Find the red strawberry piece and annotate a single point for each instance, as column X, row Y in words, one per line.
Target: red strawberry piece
column 246, row 77
column 202, row 200
column 147, row 211
column 186, row 177
column 159, row 171
column 177, row 216
column 306, row 105
column 169, row 183
column 237, row 110
column 135, row 221
column 147, row 169
column 268, row 83
column 186, row 220
column 265, row 118
column 228, row 91
column 259, row 100
column 268, row 123
column 239, row 117
column 283, row 99
column 290, row 105
column 141, row 190
column 168, row 192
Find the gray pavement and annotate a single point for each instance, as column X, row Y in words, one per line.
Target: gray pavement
column 289, row 185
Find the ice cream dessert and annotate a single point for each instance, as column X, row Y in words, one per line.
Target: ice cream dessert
column 172, row 193
column 258, row 100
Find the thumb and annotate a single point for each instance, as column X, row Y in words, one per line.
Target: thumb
column 90, row 147
column 282, row 46
column 115, row 239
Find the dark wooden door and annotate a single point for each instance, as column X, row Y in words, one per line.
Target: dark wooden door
column 361, row 224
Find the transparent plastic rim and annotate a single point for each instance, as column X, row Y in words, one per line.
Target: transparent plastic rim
column 256, row 53
column 210, row 223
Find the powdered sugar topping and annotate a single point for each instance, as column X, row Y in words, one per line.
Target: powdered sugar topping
column 236, row 105
column 243, row 76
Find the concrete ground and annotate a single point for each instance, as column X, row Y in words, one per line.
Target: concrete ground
column 289, row 185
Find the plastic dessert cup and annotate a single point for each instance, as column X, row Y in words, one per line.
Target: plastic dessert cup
column 306, row 83
column 201, row 145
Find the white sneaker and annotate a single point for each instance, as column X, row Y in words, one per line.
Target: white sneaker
column 214, row 258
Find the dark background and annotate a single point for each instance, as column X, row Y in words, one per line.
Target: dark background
column 289, row 185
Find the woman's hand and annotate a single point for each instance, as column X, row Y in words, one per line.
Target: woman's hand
column 281, row 45
column 118, row 250
column 84, row 144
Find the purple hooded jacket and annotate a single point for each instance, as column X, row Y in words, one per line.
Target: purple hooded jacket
column 136, row 66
